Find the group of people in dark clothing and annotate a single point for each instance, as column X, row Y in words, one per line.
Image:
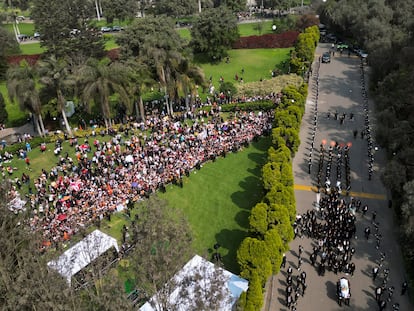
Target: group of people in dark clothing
column 331, row 223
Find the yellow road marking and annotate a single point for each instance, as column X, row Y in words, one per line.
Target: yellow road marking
column 351, row 193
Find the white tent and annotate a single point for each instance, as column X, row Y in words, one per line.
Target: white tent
column 82, row 254
column 232, row 290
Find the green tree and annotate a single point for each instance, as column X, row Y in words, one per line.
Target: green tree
column 25, row 282
column 65, row 29
column 120, row 9
column 282, row 154
column 21, row 85
column 8, row 46
column 162, row 244
column 253, row 257
column 55, row 74
column 258, row 219
column 254, row 295
column 276, row 247
column 270, row 174
column 3, row 112
column 99, row 80
column 156, row 42
column 214, row 32
column 305, row 47
column 279, row 218
column 233, row 5
column 140, row 79
column 175, row 8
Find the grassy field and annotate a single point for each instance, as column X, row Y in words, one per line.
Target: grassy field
column 185, row 33
column 255, row 29
column 25, row 28
column 31, row 48
column 218, row 198
column 257, row 64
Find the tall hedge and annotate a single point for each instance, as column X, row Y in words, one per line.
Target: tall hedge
column 270, row 221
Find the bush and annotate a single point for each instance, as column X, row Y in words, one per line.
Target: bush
column 226, row 87
column 34, row 143
column 268, row 86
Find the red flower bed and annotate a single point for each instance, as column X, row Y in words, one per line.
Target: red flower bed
column 113, row 54
column 282, row 40
column 30, row 59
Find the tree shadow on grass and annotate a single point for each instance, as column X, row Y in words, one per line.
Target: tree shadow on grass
column 230, row 240
column 242, row 218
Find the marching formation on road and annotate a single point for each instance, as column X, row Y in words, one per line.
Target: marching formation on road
column 343, row 240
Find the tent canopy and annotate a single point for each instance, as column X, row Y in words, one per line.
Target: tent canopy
column 82, row 254
column 232, row 290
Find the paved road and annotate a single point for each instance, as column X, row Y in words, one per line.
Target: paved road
column 340, row 90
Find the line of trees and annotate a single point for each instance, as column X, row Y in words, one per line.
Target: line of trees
column 270, row 222
column 302, row 56
column 152, row 56
column 386, row 30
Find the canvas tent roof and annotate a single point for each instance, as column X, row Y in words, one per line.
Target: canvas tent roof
column 233, row 289
column 82, row 254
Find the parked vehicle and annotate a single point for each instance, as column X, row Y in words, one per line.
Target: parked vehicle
column 106, row 29
column 326, row 57
column 117, row 28
column 23, row 37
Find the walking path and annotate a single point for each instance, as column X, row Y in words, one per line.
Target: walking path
column 340, row 91
column 9, row 131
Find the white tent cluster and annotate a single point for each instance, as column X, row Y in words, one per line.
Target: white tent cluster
column 232, row 290
column 82, row 254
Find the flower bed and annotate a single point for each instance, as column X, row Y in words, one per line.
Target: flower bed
column 283, row 40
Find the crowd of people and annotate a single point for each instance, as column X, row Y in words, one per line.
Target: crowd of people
column 107, row 176
column 331, row 224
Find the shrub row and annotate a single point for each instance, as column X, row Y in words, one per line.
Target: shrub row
column 30, row 59
column 34, row 143
column 267, row 41
column 270, row 221
column 304, row 52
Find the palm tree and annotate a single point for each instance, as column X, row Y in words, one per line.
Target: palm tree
column 21, row 85
column 101, row 79
column 140, row 78
column 188, row 78
column 55, row 74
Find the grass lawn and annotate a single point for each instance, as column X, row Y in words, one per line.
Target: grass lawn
column 217, row 200
column 31, row 48
column 257, row 64
column 25, row 28
column 255, row 29
column 184, row 33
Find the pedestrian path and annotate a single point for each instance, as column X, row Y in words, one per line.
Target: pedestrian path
column 365, row 195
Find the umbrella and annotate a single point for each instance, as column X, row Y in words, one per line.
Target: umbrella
column 134, row 184
column 75, row 185
column 129, row 158
column 61, row 217
column 65, row 198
